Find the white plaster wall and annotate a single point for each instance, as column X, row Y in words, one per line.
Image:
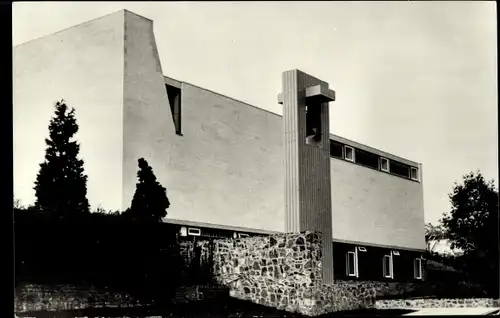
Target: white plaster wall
column 148, row 130
column 83, row 65
column 371, row 206
column 225, row 169
column 228, row 167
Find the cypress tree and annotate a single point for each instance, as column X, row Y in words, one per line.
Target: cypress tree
column 61, row 185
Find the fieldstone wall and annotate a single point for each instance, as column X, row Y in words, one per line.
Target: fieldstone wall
column 385, row 288
column 33, row 297
column 438, row 303
column 282, row 271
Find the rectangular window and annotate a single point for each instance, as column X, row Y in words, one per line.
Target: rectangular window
column 417, row 267
column 361, row 249
column 384, row 164
column 351, row 264
column 414, row 173
column 387, row 266
column 336, row 149
column 242, row 235
column 194, row 232
column 174, row 99
column 367, row 159
column 349, row 153
column 400, row 169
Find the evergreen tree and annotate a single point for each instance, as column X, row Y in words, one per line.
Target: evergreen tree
column 61, row 185
column 150, row 201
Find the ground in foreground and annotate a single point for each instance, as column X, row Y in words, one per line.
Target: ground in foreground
column 229, row 308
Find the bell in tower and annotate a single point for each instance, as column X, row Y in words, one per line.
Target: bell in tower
column 308, row 203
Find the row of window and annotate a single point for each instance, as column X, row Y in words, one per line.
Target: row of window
column 387, row 264
column 371, row 160
column 351, row 257
column 191, row 231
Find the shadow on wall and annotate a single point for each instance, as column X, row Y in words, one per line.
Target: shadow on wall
column 282, row 271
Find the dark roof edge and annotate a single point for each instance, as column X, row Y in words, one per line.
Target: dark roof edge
column 225, row 96
column 267, row 232
column 218, row 226
column 332, row 136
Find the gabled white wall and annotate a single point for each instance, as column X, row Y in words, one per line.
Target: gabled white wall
column 83, row 65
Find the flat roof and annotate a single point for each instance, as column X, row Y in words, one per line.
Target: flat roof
column 176, row 83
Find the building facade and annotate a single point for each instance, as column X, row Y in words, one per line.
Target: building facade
column 221, row 160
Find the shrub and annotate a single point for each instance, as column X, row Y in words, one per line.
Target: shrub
column 98, row 249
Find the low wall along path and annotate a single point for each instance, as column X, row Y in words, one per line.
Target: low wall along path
column 281, row 271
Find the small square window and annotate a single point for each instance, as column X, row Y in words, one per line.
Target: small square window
column 349, row 153
column 384, row 164
column 351, row 264
column 417, row 267
column 387, row 266
column 336, row 149
column 414, row 173
column 183, row 231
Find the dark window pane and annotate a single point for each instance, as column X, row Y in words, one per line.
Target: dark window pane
column 400, row 169
column 336, row 149
column 384, row 164
column 387, row 266
column 417, row 268
column 366, row 159
column 414, row 173
column 174, row 99
column 349, row 153
column 350, row 263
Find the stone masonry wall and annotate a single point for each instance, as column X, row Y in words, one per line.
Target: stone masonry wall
column 283, row 271
column 437, row 303
column 385, row 288
column 33, row 297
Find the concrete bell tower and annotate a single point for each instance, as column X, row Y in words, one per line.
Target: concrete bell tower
column 308, row 202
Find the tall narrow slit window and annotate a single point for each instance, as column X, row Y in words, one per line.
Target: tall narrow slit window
column 349, row 153
column 313, row 123
column 351, row 264
column 417, row 268
column 384, row 164
column 174, row 99
column 336, row 149
column 400, row 169
column 366, row 159
column 387, row 266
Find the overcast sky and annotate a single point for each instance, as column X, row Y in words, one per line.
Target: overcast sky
column 413, row 78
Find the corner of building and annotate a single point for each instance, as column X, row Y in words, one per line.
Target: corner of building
column 148, row 126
